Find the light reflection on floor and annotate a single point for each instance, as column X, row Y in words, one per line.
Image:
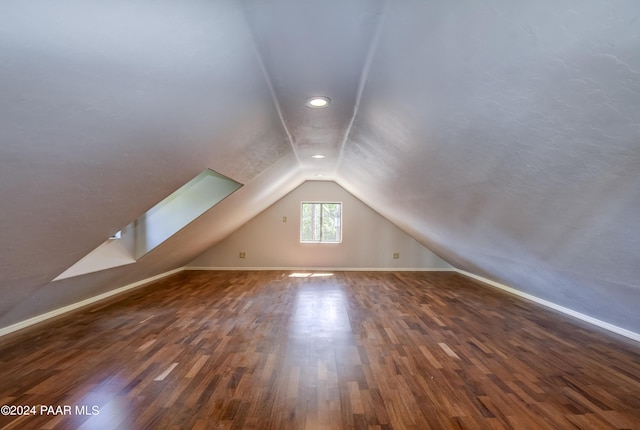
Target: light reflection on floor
column 320, row 351
column 104, row 407
column 320, row 310
column 310, row 275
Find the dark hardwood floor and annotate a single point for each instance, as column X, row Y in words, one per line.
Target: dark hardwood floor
column 362, row 350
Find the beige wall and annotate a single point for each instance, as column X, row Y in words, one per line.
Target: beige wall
column 368, row 239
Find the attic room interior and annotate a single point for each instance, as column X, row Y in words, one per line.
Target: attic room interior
column 354, row 214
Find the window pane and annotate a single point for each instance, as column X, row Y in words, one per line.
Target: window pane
column 330, row 222
column 316, row 220
column 310, row 222
column 305, row 222
column 320, row 222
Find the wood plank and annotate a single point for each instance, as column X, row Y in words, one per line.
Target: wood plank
column 260, row 350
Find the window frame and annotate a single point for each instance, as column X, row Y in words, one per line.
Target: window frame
column 321, row 203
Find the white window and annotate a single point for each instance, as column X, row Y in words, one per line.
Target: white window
column 321, row 222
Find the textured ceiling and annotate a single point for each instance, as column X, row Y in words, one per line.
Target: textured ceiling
column 503, row 135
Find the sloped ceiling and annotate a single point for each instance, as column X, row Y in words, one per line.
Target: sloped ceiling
column 505, row 136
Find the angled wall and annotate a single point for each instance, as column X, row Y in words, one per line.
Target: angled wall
column 368, row 239
column 510, row 148
column 24, row 304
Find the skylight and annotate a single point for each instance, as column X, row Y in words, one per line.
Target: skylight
column 180, row 208
column 157, row 225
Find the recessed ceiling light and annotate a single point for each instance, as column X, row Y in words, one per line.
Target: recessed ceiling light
column 319, row 175
column 318, row 102
column 318, row 156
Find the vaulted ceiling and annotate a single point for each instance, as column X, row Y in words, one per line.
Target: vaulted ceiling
column 503, row 135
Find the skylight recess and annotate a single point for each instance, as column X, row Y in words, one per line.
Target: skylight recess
column 157, row 224
column 181, row 208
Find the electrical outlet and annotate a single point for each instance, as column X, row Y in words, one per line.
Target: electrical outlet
column 243, row 255
column 396, row 255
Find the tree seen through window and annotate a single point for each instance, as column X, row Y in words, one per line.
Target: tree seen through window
column 321, row 222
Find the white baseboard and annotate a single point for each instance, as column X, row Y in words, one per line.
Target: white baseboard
column 333, row 269
column 599, row 323
column 54, row 313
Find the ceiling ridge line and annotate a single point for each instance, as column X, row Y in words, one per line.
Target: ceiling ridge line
column 274, row 98
column 364, row 75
